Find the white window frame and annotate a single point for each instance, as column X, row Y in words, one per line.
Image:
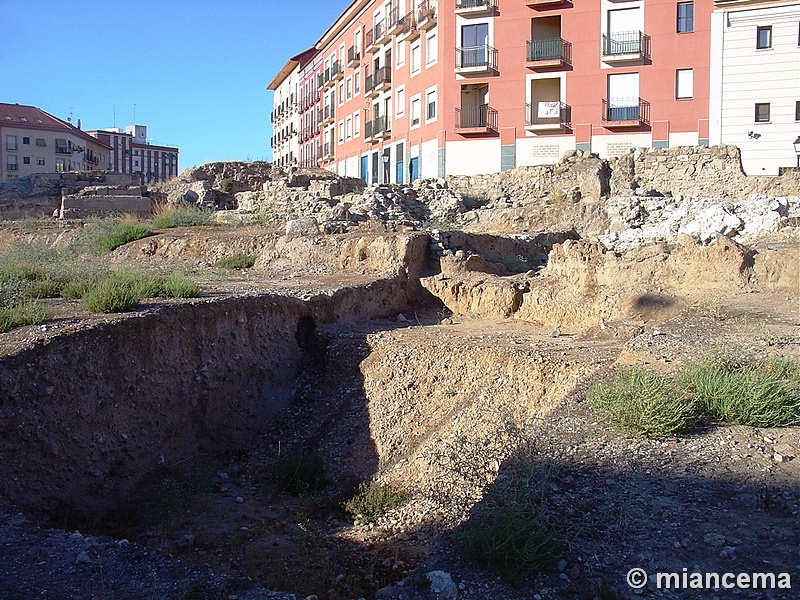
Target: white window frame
column 435, row 92
column 357, row 124
column 340, row 93
column 430, row 36
column 416, row 98
column 684, row 78
column 400, row 101
column 357, row 82
column 417, row 45
column 400, row 54
column 348, row 128
column 348, row 87
column 340, row 129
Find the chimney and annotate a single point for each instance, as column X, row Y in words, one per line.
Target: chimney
column 79, row 123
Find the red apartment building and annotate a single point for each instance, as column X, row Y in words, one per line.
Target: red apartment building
column 131, row 152
column 428, row 89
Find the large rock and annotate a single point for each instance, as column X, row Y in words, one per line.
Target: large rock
column 307, row 226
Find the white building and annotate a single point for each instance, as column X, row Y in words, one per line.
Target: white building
column 285, row 116
column 755, row 81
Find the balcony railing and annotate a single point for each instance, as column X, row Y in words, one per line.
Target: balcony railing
column 353, row 56
column 626, row 111
column 549, row 52
column 475, row 6
column 625, row 44
column 407, row 26
column 426, row 17
column 393, row 21
column 476, row 58
column 329, row 113
column 376, row 128
column 327, row 150
column 476, row 119
column 372, row 38
column 548, row 115
column 337, row 71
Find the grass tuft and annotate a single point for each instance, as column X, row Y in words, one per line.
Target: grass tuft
column 300, row 473
column 642, row 403
column 111, row 295
column 236, row 261
column 511, row 541
column 760, row 394
column 373, row 500
column 181, row 216
column 25, row 313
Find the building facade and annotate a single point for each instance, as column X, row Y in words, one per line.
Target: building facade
column 755, row 81
column 131, row 152
column 285, row 116
column 33, row 141
column 420, row 88
column 310, row 139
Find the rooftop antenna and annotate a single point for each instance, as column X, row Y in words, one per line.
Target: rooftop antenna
column 115, row 116
column 134, row 114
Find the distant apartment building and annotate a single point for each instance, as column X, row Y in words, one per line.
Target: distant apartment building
column 755, row 81
column 311, row 112
column 33, row 141
column 420, row 88
column 131, row 152
column 286, row 113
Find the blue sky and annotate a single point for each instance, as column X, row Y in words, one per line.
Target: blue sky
column 197, row 71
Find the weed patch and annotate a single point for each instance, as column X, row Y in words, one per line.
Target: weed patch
column 300, row 473
column 236, row 261
column 373, row 500
column 181, row 216
column 642, row 403
column 25, row 313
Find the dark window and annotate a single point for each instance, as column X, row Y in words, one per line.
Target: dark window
column 762, row 112
column 26, row 160
column 764, row 37
column 26, row 140
column 797, row 111
column 685, row 17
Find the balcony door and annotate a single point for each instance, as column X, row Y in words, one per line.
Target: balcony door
column 474, row 40
column 623, row 97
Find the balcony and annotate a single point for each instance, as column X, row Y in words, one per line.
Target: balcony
column 382, row 80
column 374, row 37
column 623, row 46
column 548, row 116
column 625, row 112
column 407, row 28
column 426, row 17
column 377, row 129
column 337, row 71
column 475, row 60
column 393, row 22
column 476, row 120
column 544, row 3
column 353, row 56
column 327, row 80
column 327, row 152
column 470, row 8
column 328, row 114
column 553, row 53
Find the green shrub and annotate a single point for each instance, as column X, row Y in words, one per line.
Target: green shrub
column 25, row 313
column 179, row 286
column 300, row 473
column 110, row 295
column 373, row 500
column 236, row 261
column 182, row 216
column 760, row 394
column 642, row 403
column 511, row 541
column 104, row 235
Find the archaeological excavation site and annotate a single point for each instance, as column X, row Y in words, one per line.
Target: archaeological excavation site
column 252, row 383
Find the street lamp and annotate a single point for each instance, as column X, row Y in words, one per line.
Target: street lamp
column 797, row 150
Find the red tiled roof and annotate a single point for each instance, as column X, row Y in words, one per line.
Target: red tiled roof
column 20, row 116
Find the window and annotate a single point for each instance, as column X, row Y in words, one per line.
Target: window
column 431, row 48
column 26, row 141
column 797, row 110
column 415, row 58
column 764, row 37
column 341, row 132
column 430, row 106
column 357, row 83
column 26, row 160
column 415, row 111
column 357, row 124
column 684, row 84
column 400, row 101
column 11, row 142
column 341, row 93
column 348, row 128
column 349, row 88
column 40, row 142
column 401, row 54
column 685, row 17
column 11, row 163
column 762, row 112
column 40, row 162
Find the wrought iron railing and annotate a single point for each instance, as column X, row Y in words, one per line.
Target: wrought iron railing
column 475, row 117
column 616, row 110
column 476, row 56
column 548, row 113
column 476, row 3
column 625, row 42
column 549, row 49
